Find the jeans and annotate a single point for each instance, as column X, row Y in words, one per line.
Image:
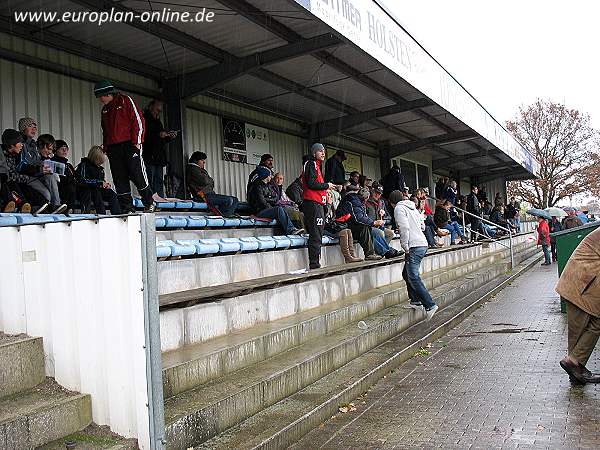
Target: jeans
column 156, row 178
column 379, row 242
column 417, row 292
column 487, row 229
column 454, row 230
column 279, row 214
column 546, row 251
column 517, row 222
column 224, row 203
column 430, row 235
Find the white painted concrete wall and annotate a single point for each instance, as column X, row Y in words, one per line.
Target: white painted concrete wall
column 78, row 285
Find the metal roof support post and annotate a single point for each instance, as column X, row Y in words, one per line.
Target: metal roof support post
column 175, row 105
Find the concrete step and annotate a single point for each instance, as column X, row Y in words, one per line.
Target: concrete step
column 212, row 317
column 197, row 415
column 193, row 365
column 286, row 422
column 41, row 415
column 21, row 363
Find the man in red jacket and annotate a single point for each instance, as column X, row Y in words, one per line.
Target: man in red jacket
column 123, row 135
column 314, row 198
column 543, row 230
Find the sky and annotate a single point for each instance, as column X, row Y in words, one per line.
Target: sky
column 509, row 53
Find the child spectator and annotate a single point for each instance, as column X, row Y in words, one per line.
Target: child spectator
column 40, row 177
column 202, row 186
column 266, row 160
column 442, row 220
column 93, row 188
column 67, row 184
column 544, row 239
column 264, row 203
column 15, row 194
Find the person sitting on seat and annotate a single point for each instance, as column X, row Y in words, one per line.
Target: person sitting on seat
column 497, row 216
column 442, row 220
column 40, row 175
column 283, row 200
column 339, row 229
column 264, row 203
column 376, row 209
column 67, row 184
column 92, row 185
column 202, row 186
column 15, row 192
column 352, row 206
column 266, row 160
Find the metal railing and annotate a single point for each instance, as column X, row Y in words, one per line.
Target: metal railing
column 477, row 233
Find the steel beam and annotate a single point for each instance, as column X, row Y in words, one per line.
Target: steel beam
column 78, row 48
column 456, row 136
column 329, row 127
column 204, row 79
column 483, row 170
column 444, row 162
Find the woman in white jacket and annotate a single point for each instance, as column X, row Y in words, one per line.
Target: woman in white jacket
column 414, row 243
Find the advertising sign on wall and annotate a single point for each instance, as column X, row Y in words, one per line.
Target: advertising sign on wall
column 353, row 161
column 244, row 142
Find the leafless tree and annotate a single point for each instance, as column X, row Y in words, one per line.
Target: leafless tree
column 565, row 145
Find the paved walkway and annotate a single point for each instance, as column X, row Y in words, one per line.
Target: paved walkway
column 482, row 386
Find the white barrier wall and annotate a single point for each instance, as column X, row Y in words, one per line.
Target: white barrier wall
column 79, row 285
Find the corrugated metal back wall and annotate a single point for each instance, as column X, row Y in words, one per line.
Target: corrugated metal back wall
column 204, row 133
column 63, row 106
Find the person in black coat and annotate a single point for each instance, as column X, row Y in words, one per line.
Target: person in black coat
column 334, row 168
column 263, row 201
column 474, row 208
column 154, row 149
column 92, row 185
column 393, row 181
column 67, row 186
column 266, row 161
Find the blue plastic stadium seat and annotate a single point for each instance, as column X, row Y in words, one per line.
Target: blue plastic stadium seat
column 180, row 248
column 214, row 221
column 162, row 249
column 246, row 222
column 137, row 202
column 184, row 205
column 175, row 221
column 249, row 244
column 195, row 221
column 297, row 241
column 228, row 245
column 160, row 222
column 208, row 246
column 266, row 242
column 231, row 222
column 329, row 240
column 282, row 242
column 8, row 220
column 200, row 206
column 260, row 223
column 165, row 205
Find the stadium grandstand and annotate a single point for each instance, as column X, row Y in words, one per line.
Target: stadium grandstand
column 181, row 316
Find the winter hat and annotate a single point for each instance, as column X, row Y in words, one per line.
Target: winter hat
column 104, row 87
column 263, row 172
column 25, row 122
column 377, row 187
column 316, row 147
column 11, row 137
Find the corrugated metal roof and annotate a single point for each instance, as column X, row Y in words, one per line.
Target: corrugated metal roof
column 293, row 16
column 253, row 88
column 353, row 93
column 300, row 106
column 306, row 70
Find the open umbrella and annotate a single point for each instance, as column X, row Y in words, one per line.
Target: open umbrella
column 555, row 212
column 539, row 213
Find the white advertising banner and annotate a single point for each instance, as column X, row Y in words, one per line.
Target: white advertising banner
column 257, row 143
column 369, row 27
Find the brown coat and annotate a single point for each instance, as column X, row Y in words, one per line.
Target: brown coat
column 580, row 280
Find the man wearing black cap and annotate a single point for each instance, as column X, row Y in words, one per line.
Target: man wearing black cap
column 123, row 134
column 334, row 168
column 314, row 198
column 266, row 160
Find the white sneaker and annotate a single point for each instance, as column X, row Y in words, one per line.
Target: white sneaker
column 416, row 306
column 430, row 312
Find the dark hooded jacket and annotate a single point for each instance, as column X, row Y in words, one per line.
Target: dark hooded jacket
column 261, row 196
column 353, row 204
column 89, row 174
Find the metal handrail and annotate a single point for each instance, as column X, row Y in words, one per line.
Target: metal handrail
column 510, row 240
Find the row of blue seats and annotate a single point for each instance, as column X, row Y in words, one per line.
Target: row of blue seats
column 25, row 219
column 188, row 205
column 189, row 247
column 208, row 221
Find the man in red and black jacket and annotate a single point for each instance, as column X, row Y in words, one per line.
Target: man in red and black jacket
column 123, row 135
column 314, row 198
